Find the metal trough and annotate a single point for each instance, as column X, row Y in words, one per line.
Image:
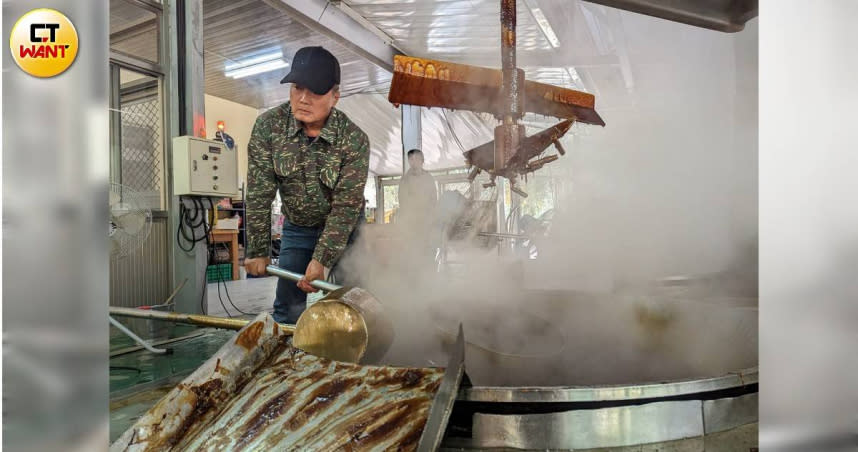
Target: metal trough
column 568, row 372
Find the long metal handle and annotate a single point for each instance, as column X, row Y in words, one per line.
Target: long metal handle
column 192, row 319
column 292, row 276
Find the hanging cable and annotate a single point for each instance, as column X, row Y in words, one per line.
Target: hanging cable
column 220, row 281
column 185, row 220
column 189, row 221
column 212, row 257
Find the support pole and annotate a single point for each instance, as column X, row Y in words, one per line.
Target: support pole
column 508, row 135
column 412, row 132
column 190, row 110
column 194, row 69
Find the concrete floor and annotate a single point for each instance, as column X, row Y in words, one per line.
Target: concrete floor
column 252, row 295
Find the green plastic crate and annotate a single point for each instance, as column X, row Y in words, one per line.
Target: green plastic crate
column 219, row 272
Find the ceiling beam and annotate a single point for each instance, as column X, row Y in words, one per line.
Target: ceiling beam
column 726, row 15
column 326, row 19
column 147, row 26
column 528, row 59
column 365, row 23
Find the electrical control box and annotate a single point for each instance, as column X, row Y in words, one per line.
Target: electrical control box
column 204, row 168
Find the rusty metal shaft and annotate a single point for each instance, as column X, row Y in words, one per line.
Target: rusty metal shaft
column 509, row 134
column 191, row 319
column 511, row 83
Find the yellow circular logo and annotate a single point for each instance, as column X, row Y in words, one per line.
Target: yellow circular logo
column 43, row 42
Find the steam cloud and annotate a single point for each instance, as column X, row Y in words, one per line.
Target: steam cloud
column 667, row 188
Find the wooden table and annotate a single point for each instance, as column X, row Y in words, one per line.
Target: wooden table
column 228, row 236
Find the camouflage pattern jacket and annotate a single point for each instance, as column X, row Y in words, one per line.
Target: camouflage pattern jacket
column 321, row 182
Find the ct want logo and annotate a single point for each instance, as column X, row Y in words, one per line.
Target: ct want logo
column 43, row 42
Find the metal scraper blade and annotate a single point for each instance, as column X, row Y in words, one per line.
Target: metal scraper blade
column 483, row 156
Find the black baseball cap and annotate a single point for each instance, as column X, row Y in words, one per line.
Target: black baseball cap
column 315, row 68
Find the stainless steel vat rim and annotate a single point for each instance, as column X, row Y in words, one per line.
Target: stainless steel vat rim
column 610, row 392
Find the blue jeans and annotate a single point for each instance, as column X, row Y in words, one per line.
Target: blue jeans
column 297, row 244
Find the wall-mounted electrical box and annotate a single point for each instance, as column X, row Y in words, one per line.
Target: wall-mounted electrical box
column 204, row 168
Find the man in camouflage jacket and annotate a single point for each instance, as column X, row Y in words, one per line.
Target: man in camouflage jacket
column 319, row 161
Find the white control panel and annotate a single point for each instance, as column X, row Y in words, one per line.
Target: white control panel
column 204, row 168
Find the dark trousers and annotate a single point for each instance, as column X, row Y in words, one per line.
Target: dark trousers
column 297, row 244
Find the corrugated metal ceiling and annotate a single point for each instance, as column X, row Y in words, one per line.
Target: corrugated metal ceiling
column 452, row 30
column 133, row 30
column 234, row 30
column 463, row 31
column 468, row 31
column 602, row 50
column 455, row 30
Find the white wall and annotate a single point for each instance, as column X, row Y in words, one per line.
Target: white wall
column 239, row 121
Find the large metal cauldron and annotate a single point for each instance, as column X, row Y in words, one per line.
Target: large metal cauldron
column 566, row 371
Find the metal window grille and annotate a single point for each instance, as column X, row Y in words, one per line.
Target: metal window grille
column 142, row 145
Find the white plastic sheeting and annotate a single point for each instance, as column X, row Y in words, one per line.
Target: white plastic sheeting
column 446, row 134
